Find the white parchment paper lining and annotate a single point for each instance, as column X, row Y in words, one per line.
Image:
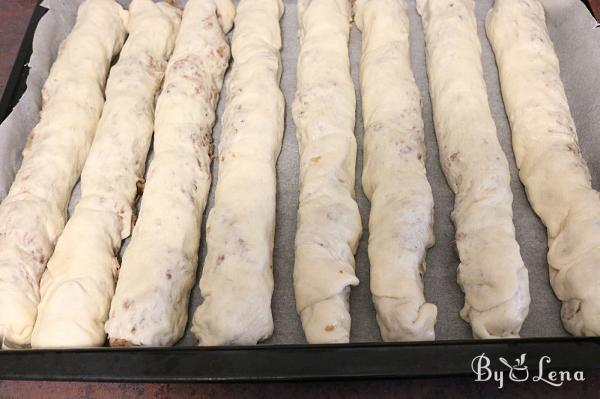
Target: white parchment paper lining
column 577, row 43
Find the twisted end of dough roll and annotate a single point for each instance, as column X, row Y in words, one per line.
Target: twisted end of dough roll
column 405, row 321
column 24, row 248
column 328, row 321
column 16, row 317
column 577, row 285
column 491, row 273
column 221, row 321
column 504, row 320
column 580, row 316
column 574, row 258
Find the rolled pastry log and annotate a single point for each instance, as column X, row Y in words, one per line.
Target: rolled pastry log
column 549, row 159
column 33, row 214
column 329, row 224
column 158, row 271
column 491, row 272
column 394, row 179
column 237, row 277
column 78, row 284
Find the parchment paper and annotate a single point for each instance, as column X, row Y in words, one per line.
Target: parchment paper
column 577, row 42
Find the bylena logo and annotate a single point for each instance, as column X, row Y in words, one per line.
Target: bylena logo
column 518, row 372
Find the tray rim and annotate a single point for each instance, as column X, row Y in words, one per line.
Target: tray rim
column 298, row 362
column 268, row 363
column 16, row 82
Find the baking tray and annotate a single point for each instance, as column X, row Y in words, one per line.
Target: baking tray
column 276, row 362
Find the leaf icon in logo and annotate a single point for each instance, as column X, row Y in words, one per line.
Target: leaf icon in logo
column 518, row 372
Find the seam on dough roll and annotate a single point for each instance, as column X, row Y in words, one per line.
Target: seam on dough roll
column 237, row 277
column 33, row 214
column 394, row 179
column 158, row 271
column 491, row 272
column 329, row 224
column 78, row 284
column 546, row 149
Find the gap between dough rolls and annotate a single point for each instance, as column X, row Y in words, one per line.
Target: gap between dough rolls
column 394, row 179
column 491, row 272
column 33, row 214
column 329, row 224
column 549, row 159
column 78, row 284
column 237, row 277
column 150, row 306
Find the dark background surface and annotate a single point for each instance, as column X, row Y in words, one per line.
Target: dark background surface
column 14, row 17
column 451, row 388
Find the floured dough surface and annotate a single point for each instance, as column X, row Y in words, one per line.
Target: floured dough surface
column 150, row 306
column 237, row 276
column 549, row 159
column 78, row 285
column 33, row 214
column 394, row 179
column 491, row 271
column 329, row 224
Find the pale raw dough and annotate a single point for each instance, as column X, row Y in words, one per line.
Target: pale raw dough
column 491, row 272
column 549, row 159
column 78, row 285
column 150, row 306
column 329, row 224
column 237, row 277
column 394, row 179
column 33, row 214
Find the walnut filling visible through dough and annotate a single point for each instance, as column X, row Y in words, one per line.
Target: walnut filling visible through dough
column 237, row 276
column 33, row 214
column 150, row 306
column 546, row 147
column 79, row 283
column 394, row 179
column 329, row 224
column 491, row 272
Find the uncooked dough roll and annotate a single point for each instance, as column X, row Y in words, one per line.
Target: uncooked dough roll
column 237, row 277
column 158, row 271
column 491, row 272
column 33, row 214
column 549, row 159
column 78, row 284
column 329, row 224
column 394, row 179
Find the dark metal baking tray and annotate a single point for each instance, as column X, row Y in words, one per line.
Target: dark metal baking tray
column 276, row 362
